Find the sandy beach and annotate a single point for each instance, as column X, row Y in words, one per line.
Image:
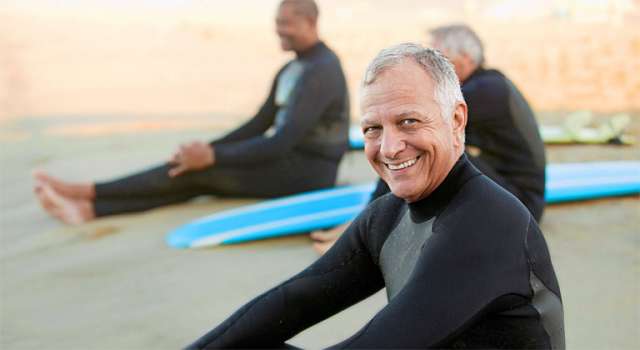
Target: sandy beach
column 114, row 284
column 96, row 92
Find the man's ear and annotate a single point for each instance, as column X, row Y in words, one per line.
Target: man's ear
column 459, row 122
column 311, row 22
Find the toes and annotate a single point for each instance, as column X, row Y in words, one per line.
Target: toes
column 44, row 197
column 317, row 235
column 322, row 248
column 65, row 209
column 40, row 175
column 325, row 236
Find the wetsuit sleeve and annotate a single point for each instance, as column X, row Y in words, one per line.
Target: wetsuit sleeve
column 256, row 125
column 345, row 275
column 443, row 295
column 314, row 93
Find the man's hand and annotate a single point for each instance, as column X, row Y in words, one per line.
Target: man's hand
column 192, row 156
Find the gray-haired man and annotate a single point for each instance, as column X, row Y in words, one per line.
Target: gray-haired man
column 502, row 132
column 463, row 261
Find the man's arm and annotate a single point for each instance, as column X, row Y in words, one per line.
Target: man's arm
column 315, row 92
column 198, row 155
column 342, row 277
column 325, row 239
column 452, row 284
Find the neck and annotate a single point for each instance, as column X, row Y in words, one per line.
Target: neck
column 468, row 73
column 431, row 205
column 308, row 44
column 308, row 48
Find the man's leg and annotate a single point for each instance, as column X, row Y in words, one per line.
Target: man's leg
column 75, row 203
column 120, row 205
column 293, row 173
column 154, row 188
column 152, row 182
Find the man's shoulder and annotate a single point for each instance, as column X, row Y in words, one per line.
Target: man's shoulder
column 485, row 206
column 487, row 80
column 386, row 203
column 384, row 211
column 325, row 60
column 324, row 65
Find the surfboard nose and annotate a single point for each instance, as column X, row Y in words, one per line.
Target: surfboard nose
column 177, row 240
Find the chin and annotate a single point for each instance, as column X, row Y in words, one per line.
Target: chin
column 406, row 192
column 285, row 45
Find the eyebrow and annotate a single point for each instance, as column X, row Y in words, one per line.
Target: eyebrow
column 405, row 114
column 366, row 121
column 409, row 114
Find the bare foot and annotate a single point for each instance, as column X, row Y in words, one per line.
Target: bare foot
column 322, row 247
column 69, row 210
column 324, row 240
column 71, row 190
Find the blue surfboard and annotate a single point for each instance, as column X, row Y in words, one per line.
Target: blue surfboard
column 356, row 139
column 327, row 208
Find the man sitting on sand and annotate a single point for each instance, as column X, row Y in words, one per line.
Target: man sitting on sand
column 502, row 133
column 463, row 261
column 503, row 138
column 293, row 144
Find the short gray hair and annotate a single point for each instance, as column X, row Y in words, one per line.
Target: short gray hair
column 447, row 87
column 459, row 39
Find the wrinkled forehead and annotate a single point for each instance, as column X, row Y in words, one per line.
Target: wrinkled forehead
column 396, row 90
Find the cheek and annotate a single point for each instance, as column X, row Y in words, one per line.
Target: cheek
column 370, row 152
column 284, row 29
column 295, row 29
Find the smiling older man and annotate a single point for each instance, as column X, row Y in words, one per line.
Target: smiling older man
column 462, row 260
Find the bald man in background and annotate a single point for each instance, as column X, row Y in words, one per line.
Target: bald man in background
column 293, row 144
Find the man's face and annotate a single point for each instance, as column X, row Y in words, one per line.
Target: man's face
column 407, row 141
column 292, row 28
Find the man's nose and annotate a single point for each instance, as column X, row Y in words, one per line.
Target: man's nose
column 392, row 144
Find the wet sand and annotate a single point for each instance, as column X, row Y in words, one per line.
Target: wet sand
column 114, row 284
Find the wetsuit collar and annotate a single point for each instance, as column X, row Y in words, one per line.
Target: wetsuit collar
column 433, row 204
column 475, row 73
column 311, row 51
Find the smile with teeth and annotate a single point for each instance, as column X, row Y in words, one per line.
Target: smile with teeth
column 402, row 165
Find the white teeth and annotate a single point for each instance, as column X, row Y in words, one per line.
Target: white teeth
column 402, row 165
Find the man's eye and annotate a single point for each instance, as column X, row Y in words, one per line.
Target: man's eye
column 408, row 122
column 369, row 129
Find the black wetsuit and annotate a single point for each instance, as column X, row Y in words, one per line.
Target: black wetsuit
column 466, row 267
column 293, row 144
column 502, row 125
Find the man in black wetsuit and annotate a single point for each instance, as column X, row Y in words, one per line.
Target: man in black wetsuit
column 293, row 144
column 463, row 261
column 503, row 139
